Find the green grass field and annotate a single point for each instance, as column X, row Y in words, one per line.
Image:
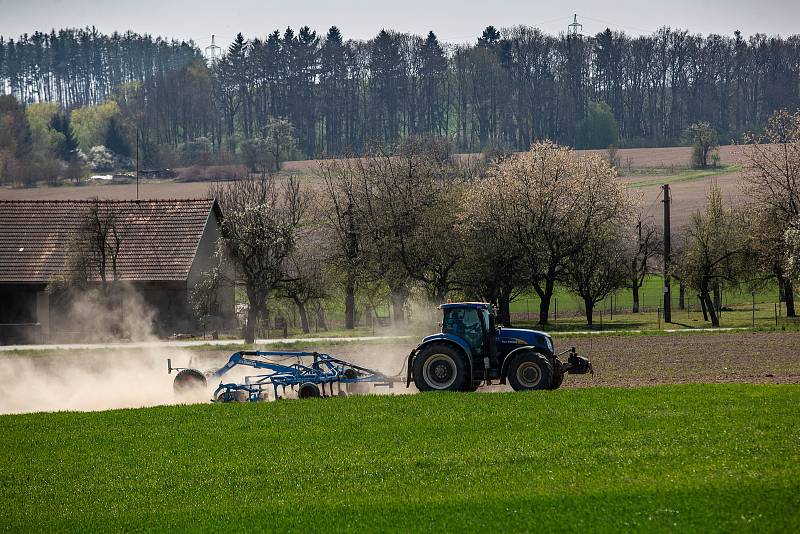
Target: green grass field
column 668, row 176
column 703, row 458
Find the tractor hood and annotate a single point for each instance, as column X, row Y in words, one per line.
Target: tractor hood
column 519, row 336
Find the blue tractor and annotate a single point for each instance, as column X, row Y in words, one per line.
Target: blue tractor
column 472, row 351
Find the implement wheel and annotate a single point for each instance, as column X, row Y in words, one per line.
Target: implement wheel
column 189, row 380
column 530, row 370
column 440, row 368
column 308, row 390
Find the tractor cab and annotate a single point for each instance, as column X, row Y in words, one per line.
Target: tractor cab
column 472, row 322
column 471, row 351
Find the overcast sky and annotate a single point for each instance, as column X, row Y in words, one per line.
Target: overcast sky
column 453, row 21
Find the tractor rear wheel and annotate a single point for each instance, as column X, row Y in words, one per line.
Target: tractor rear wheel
column 189, row 380
column 558, row 378
column 530, row 370
column 440, row 368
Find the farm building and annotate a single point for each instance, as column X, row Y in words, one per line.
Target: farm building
column 164, row 247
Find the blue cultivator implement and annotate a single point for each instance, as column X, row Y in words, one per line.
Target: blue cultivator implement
column 310, row 374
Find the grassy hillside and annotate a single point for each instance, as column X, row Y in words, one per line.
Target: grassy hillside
column 678, row 457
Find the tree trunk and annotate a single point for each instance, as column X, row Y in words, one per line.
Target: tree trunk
column 712, row 312
column 635, row 290
column 250, row 325
column 398, row 299
column 301, row 310
column 588, row 306
column 703, row 307
column 504, row 312
column 321, row 319
column 350, row 303
column 545, row 296
column 788, row 293
column 717, row 299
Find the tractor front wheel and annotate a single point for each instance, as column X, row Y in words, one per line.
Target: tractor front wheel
column 530, row 370
column 440, row 368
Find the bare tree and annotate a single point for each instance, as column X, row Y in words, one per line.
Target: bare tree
column 343, row 225
column 260, row 227
column 640, row 252
column 713, row 251
column 598, row 268
column 412, row 200
column 93, row 252
column 306, row 279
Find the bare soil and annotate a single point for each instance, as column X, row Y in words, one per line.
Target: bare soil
column 635, row 360
column 128, row 378
column 688, row 197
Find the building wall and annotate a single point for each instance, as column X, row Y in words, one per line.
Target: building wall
column 204, row 260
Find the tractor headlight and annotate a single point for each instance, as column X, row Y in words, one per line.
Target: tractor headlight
column 549, row 342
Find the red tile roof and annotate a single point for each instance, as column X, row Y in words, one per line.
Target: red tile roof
column 160, row 237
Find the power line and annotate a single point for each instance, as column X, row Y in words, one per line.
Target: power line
column 645, row 214
column 618, row 25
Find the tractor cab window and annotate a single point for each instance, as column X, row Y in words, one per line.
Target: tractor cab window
column 466, row 324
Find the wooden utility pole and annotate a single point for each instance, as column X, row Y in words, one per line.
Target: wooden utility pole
column 137, row 171
column 667, row 250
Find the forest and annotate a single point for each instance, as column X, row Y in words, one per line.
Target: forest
column 507, row 89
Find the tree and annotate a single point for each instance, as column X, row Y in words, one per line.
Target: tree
column 714, row 251
column 552, row 199
column 343, row 226
column 599, row 129
column 771, row 178
column 100, row 159
column 115, row 139
column 93, row 252
column 280, row 140
column 792, row 237
column 704, row 141
column 306, row 277
column 639, row 253
column 410, row 218
column 257, row 154
column 494, row 268
column 16, row 141
column 598, row 267
column 204, row 296
column 260, row 231
column 91, row 123
column 67, row 148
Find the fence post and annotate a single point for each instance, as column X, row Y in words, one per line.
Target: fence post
column 612, row 307
column 601, row 319
column 754, row 308
column 659, row 317
column 776, row 314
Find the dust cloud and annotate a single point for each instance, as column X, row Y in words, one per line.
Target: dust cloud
column 119, row 377
column 89, row 381
column 116, row 376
